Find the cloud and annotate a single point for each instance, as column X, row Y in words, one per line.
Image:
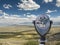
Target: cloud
column 1, row 11
column 26, row 14
column 46, row 1
column 7, row 6
column 50, row 11
column 58, row 3
column 48, row 15
column 7, row 19
column 55, row 19
column 32, row 17
column 28, row 5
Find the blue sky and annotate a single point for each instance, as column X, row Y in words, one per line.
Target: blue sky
column 23, row 11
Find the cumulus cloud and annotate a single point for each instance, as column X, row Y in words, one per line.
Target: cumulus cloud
column 58, row 3
column 32, row 17
column 48, row 15
column 56, row 19
column 28, row 5
column 46, row 1
column 26, row 14
column 7, row 6
column 1, row 11
column 50, row 11
column 7, row 19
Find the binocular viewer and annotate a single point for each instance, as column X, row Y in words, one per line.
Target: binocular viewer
column 42, row 24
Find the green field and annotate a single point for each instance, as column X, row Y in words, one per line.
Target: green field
column 26, row 35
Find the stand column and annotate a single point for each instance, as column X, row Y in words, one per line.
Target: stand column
column 42, row 41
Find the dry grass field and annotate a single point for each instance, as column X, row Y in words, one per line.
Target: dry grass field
column 26, row 35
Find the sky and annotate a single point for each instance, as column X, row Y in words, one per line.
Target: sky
column 20, row 12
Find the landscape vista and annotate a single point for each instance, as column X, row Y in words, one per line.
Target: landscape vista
column 16, row 17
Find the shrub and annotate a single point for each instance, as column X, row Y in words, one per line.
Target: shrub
column 31, row 43
column 58, row 43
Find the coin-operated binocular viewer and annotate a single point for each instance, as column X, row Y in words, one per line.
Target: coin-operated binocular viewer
column 42, row 25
